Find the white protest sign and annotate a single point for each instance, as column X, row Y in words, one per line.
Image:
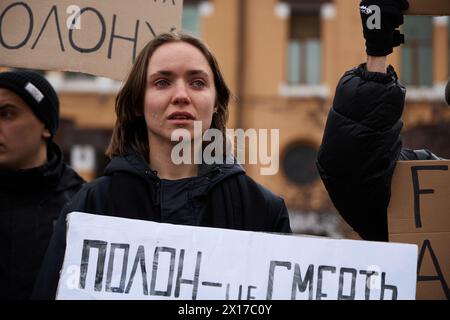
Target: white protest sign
column 116, row 258
column 100, row 37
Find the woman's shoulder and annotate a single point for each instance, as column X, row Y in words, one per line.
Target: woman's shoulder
column 95, row 186
column 92, row 194
column 258, row 192
column 263, row 205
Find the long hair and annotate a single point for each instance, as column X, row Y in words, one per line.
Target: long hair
column 130, row 129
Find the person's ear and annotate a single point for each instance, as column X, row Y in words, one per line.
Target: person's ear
column 46, row 134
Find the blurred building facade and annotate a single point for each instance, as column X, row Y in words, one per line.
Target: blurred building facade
column 282, row 61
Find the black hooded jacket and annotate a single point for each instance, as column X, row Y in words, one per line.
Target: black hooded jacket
column 30, row 203
column 361, row 146
column 221, row 196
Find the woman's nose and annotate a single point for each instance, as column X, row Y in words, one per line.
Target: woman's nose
column 181, row 96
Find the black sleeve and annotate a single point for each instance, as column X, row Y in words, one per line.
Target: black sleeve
column 360, row 148
column 92, row 198
column 282, row 224
column 46, row 283
column 48, row 277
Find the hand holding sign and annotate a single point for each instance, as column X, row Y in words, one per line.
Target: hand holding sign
column 381, row 20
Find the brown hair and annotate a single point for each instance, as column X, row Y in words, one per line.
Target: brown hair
column 130, row 129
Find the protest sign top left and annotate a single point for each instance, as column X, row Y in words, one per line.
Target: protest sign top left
column 97, row 37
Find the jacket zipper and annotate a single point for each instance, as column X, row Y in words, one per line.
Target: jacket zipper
column 153, row 175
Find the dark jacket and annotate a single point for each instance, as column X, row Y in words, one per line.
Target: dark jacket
column 30, row 203
column 360, row 148
column 221, row 196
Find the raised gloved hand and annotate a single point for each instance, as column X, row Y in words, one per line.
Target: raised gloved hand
column 380, row 26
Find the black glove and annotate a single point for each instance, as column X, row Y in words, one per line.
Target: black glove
column 380, row 41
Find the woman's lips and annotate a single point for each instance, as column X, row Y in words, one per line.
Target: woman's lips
column 181, row 118
column 179, row 121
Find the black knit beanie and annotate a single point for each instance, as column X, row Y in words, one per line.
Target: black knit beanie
column 37, row 92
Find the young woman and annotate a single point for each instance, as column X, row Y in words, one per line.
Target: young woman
column 174, row 82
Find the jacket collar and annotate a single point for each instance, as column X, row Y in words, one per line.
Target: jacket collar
column 209, row 174
column 47, row 175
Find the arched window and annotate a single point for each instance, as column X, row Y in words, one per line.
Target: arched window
column 299, row 164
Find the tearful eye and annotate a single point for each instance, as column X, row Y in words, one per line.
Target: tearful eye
column 162, row 83
column 198, row 84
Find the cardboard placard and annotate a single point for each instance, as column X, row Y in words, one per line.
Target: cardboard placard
column 117, row 258
column 97, row 37
column 419, row 213
column 429, row 7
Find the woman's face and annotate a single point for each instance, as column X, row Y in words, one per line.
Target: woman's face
column 180, row 90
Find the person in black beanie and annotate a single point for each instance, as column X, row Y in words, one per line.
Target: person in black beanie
column 34, row 181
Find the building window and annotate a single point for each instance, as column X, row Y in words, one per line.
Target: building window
column 417, row 51
column 191, row 17
column 304, row 48
column 299, row 164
